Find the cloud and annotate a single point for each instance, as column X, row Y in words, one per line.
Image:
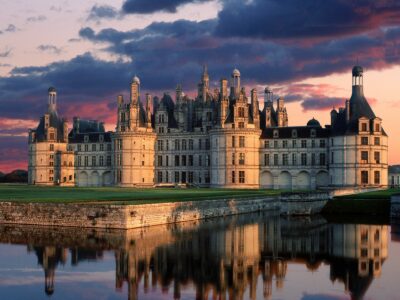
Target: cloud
column 98, row 12
column 11, row 28
column 292, row 19
column 49, row 49
column 5, row 53
column 40, row 18
column 148, row 7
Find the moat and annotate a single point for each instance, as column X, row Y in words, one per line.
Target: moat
column 249, row 256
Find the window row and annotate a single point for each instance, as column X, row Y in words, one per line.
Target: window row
column 183, row 177
column 365, row 141
column 366, row 180
column 183, row 160
column 95, row 147
column 94, row 161
column 292, row 159
column 183, row 144
column 294, row 144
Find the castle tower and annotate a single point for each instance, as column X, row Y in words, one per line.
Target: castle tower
column 255, row 108
column 358, row 148
column 268, row 110
column 235, row 83
column 52, row 102
column 281, row 113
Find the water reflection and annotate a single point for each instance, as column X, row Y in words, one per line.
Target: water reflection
column 221, row 258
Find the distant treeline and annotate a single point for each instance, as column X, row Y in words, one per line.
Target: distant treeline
column 14, row 176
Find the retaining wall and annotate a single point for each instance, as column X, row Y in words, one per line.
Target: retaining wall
column 99, row 215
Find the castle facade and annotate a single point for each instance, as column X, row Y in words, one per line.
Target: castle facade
column 223, row 138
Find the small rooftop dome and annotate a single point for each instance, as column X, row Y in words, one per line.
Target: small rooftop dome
column 136, row 79
column 51, row 89
column 313, row 123
column 357, row 71
column 235, row 72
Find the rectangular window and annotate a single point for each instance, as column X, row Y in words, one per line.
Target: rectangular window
column 233, row 158
column 190, row 177
column 51, row 147
column 207, row 160
column 377, row 157
column 313, row 159
column 176, row 177
column 377, row 141
column 93, row 160
column 200, row 145
column 167, row 160
column 294, row 159
column 242, row 178
column 284, row 144
column 294, row 143
column 101, row 161
column 86, row 161
column 177, row 145
column 377, row 127
column 176, row 160
column 304, row 159
column 160, row 145
column 183, row 160
column 322, row 159
column 109, row 160
column 101, row 147
column 285, row 159
column 241, row 141
column 241, row 125
column 207, row 144
column 322, row 143
column 79, row 161
column 364, row 157
column 200, row 161
column 159, row 176
column 233, row 141
column 312, row 143
column 86, row 148
column 79, row 147
column 364, row 177
column 191, row 145
column 266, row 144
column 233, row 177
column 159, row 161
column 183, row 144
column 108, row 147
column 377, row 177
column 303, row 143
column 190, row 160
column 276, row 160
column 275, row 144
column 364, row 140
column 266, row 159
column 241, row 159
column 332, row 157
column 364, row 127
column 93, row 147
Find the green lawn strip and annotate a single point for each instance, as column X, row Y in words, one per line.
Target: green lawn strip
column 382, row 194
column 25, row 193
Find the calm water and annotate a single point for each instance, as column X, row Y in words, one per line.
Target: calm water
column 255, row 256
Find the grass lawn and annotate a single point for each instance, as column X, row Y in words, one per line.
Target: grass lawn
column 383, row 194
column 54, row 194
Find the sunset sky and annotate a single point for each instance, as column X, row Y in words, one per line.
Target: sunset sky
column 89, row 50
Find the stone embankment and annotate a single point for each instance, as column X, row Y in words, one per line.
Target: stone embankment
column 99, row 215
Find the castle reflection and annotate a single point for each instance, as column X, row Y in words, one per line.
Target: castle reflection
column 222, row 259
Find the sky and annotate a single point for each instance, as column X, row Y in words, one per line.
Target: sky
column 89, row 50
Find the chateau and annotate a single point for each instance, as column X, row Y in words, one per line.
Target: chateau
column 222, row 138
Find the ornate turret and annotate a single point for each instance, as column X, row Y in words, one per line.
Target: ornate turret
column 52, row 103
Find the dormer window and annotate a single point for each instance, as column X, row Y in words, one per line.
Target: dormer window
column 377, row 127
column 86, row 138
column 313, row 133
column 364, row 126
column 276, row 133
column 101, row 138
column 294, row 133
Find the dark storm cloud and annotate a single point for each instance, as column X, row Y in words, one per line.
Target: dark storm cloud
column 147, row 7
column 82, row 79
column 293, row 19
column 98, row 12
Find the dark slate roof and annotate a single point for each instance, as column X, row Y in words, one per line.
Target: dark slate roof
column 55, row 122
column 88, row 126
column 169, row 105
column 286, row 132
column 94, row 137
column 274, row 118
column 359, row 107
column 394, row 169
